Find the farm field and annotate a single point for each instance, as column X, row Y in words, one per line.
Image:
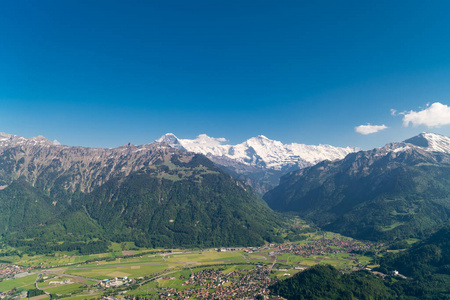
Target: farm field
column 64, row 289
column 117, row 271
column 23, row 282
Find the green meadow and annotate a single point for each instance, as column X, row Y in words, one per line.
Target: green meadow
column 65, row 289
column 26, row 282
column 117, row 271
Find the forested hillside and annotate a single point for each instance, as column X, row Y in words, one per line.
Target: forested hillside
column 326, row 282
column 398, row 191
column 56, row 197
column 426, row 264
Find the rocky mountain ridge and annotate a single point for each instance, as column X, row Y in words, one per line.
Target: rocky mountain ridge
column 78, row 167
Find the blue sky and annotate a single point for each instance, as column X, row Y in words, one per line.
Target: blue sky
column 105, row 73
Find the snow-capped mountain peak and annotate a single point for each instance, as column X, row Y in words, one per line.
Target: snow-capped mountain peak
column 7, row 139
column 261, row 138
column 431, row 142
column 263, row 141
column 259, row 151
column 5, row 136
column 167, row 138
column 172, row 140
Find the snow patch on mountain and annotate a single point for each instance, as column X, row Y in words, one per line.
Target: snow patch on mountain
column 436, row 142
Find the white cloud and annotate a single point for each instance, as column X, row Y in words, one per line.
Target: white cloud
column 435, row 115
column 368, row 129
column 203, row 138
column 393, row 112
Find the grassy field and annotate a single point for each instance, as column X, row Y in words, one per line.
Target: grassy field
column 87, row 297
column 64, row 258
column 65, row 289
column 117, row 271
column 146, row 289
column 26, row 282
column 59, row 258
column 123, row 262
column 237, row 267
column 209, row 255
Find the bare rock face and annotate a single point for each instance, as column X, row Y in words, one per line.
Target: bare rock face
column 41, row 161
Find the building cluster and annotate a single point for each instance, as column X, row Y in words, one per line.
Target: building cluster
column 10, row 270
column 67, row 281
column 214, row 284
column 245, row 249
column 13, row 294
column 116, row 282
column 322, row 246
column 258, row 249
column 229, row 249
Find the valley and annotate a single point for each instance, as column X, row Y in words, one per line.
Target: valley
column 158, row 222
column 235, row 272
column 224, row 150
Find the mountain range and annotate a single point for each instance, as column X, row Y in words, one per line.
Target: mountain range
column 259, row 161
column 397, row 191
column 153, row 195
column 179, row 193
column 159, row 195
